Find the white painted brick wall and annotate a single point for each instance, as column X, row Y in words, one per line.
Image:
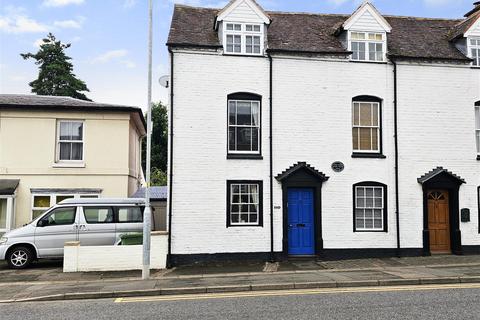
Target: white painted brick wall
column 312, row 123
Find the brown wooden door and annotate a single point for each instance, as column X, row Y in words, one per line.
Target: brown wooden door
column 439, row 221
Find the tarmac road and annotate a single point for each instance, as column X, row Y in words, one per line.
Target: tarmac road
column 460, row 301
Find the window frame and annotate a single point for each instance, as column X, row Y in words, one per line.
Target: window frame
column 371, row 184
column 470, row 48
column 53, row 200
column 259, row 223
column 75, row 210
column 58, row 141
column 98, row 207
column 477, row 129
column 252, row 155
column 10, row 212
column 368, row 153
column 367, row 44
column 243, row 33
column 116, row 211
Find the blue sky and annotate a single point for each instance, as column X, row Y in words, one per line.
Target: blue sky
column 109, row 37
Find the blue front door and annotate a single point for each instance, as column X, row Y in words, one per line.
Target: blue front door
column 300, row 222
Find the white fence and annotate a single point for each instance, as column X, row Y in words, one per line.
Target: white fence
column 114, row 258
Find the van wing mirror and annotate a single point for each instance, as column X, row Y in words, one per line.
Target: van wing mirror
column 42, row 223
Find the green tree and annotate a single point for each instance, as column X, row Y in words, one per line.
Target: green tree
column 55, row 77
column 159, row 145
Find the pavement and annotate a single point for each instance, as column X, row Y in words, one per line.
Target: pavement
column 45, row 281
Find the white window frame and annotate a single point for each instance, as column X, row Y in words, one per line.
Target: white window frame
column 377, row 127
column 477, row 129
column 471, row 47
column 373, row 208
column 243, row 33
column 367, row 42
column 10, row 212
column 53, row 199
column 58, row 141
column 258, row 126
column 240, row 203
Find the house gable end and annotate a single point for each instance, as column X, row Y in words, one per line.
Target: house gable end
column 367, row 18
column 474, row 30
column 243, row 11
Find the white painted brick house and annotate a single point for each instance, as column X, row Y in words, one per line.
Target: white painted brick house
column 299, row 134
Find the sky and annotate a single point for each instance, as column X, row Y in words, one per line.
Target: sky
column 109, row 38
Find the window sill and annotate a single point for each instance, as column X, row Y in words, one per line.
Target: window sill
column 376, row 62
column 244, row 157
column 370, row 231
column 255, row 55
column 244, row 226
column 68, row 165
column 368, row 155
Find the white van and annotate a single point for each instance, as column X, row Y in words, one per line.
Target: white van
column 93, row 222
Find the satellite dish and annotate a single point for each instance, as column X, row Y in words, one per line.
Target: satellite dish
column 164, row 81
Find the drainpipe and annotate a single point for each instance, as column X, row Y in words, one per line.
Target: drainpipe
column 170, row 178
column 272, row 253
column 395, row 109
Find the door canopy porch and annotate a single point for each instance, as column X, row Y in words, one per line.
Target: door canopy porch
column 439, row 174
column 302, row 167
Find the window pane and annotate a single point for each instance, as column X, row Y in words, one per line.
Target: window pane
column 65, row 151
column 365, row 139
column 231, row 112
column 477, row 117
column 255, row 139
column 98, row 215
column 77, row 151
column 356, row 114
column 3, row 213
column 478, row 141
column 229, row 26
column 231, row 138
column 77, row 131
column 65, row 130
column 130, row 214
column 255, row 113
column 238, row 27
column 244, row 113
column 249, row 27
column 374, row 139
column 244, row 137
column 355, row 138
column 61, row 198
column 61, row 216
column 361, row 49
column 375, row 116
column 37, row 213
column 365, row 114
column 41, row 201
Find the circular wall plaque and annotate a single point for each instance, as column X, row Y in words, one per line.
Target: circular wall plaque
column 338, row 166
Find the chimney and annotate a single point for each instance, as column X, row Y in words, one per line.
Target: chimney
column 474, row 10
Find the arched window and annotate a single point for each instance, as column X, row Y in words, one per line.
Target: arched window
column 367, row 127
column 370, row 207
column 244, row 126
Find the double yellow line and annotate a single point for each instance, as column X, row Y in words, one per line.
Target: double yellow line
column 296, row 292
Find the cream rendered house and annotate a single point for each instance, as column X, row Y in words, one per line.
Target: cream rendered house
column 54, row 148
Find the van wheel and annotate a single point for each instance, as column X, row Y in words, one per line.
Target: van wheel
column 19, row 257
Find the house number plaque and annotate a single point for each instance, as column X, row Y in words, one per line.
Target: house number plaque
column 338, row 166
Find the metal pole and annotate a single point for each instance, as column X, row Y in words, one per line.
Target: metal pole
column 148, row 213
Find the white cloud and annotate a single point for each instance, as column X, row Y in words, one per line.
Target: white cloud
column 120, row 56
column 21, row 24
column 69, row 24
column 37, row 43
column 127, row 4
column 203, row 3
column 110, row 55
column 61, row 3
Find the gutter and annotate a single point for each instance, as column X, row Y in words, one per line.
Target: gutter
column 170, row 178
column 272, row 253
column 395, row 110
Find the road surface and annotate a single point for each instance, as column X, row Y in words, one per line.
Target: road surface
column 461, row 301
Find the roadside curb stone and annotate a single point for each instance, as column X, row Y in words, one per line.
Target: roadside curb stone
column 225, row 289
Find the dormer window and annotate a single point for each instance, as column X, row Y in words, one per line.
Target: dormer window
column 367, row 46
column 241, row 38
column 474, row 44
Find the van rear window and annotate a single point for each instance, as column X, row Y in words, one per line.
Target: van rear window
column 129, row 214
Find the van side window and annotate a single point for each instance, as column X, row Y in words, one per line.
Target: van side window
column 130, row 214
column 98, row 214
column 59, row 217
